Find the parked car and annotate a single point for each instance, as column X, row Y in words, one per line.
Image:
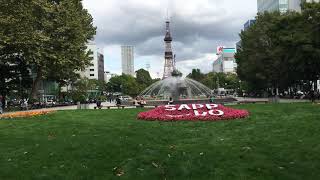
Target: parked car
column 50, row 103
column 125, row 98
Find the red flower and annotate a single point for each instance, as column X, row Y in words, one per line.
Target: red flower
column 193, row 112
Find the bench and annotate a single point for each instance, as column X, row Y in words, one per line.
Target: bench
column 109, row 107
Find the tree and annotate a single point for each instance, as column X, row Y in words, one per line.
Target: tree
column 310, row 47
column 125, row 84
column 196, row 75
column 14, row 77
column 85, row 89
column 143, row 79
column 221, row 80
column 49, row 35
column 176, row 73
column 281, row 50
column 265, row 59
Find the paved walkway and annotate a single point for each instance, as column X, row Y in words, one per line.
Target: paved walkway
column 281, row 100
column 74, row 107
column 91, row 106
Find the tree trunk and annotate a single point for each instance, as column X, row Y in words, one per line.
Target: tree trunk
column 315, row 85
column 35, row 85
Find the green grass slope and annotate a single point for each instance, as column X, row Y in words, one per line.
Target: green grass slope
column 277, row 141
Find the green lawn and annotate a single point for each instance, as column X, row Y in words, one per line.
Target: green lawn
column 277, row 142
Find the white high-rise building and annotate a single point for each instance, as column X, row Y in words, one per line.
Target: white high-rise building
column 281, row 5
column 226, row 62
column 96, row 69
column 127, row 57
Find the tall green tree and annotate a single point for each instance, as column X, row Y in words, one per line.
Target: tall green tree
column 143, row 78
column 265, row 59
column 50, row 35
column 310, row 46
column 125, row 84
column 281, row 50
column 196, row 74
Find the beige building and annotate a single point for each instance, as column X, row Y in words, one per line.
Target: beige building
column 226, row 62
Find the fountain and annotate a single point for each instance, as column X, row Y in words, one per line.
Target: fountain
column 177, row 88
column 181, row 90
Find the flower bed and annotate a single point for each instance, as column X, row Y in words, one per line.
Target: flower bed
column 193, row 112
column 26, row 114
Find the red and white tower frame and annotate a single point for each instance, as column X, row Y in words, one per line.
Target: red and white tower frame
column 169, row 64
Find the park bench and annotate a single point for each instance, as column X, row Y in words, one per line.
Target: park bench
column 109, row 107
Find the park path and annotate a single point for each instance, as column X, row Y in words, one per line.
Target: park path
column 91, row 106
column 63, row 108
column 281, row 100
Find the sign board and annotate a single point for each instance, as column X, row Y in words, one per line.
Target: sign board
column 219, row 50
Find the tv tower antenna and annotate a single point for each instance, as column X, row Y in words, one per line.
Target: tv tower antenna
column 168, row 55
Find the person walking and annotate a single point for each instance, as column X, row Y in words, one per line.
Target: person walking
column 312, row 96
column 118, row 101
column 170, row 101
column 1, row 109
column 211, row 99
column 98, row 103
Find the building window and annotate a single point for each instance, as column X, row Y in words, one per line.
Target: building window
column 91, row 75
column 91, row 69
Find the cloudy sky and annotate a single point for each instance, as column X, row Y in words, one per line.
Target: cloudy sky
column 198, row 27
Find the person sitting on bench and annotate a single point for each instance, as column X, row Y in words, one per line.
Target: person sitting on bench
column 142, row 102
column 136, row 102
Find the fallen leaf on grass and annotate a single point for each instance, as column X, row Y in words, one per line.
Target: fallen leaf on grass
column 118, row 171
column 140, row 169
column 155, row 164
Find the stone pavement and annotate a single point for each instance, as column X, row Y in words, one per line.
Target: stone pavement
column 91, row 106
column 266, row 99
column 74, row 107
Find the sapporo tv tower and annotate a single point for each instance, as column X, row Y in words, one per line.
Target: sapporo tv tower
column 169, row 65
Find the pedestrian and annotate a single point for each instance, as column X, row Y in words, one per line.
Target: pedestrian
column 111, row 98
column 98, row 103
column 312, row 96
column 211, row 99
column 170, row 101
column 118, row 101
column 1, row 109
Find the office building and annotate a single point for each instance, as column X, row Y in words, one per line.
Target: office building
column 127, row 57
column 281, row 5
column 246, row 26
column 96, row 69
column 226, row 62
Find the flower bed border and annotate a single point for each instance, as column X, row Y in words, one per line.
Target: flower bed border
column 22, row 114
column 193, row 113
